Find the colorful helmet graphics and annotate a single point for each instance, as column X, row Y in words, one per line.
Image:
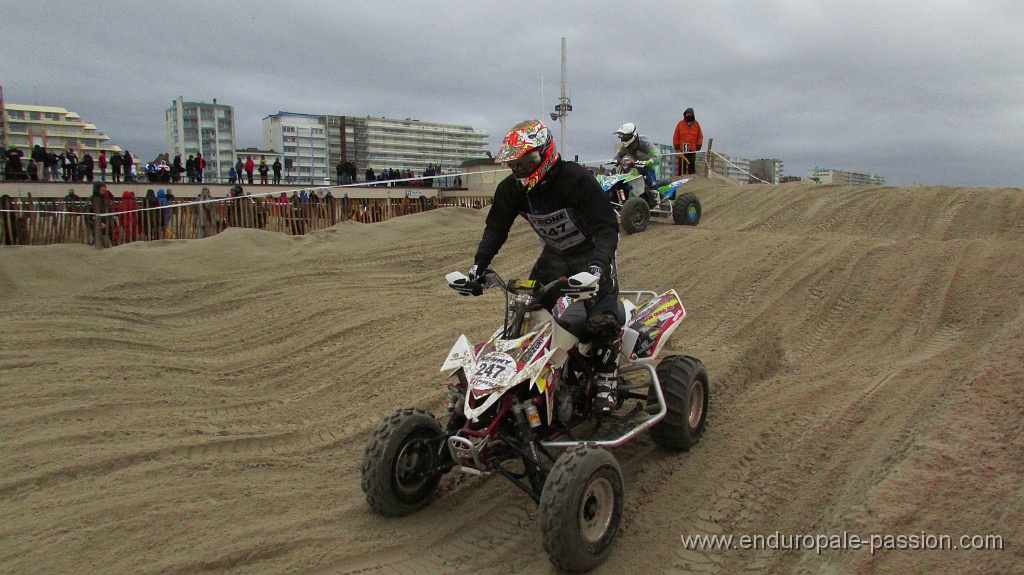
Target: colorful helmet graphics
column 526, row 137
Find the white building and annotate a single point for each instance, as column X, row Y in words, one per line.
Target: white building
column 732, row 167
column 313, row 145
column 414, row 144
column 829, row 176
column 302, row 141
column 200, row 127
column 50, row 127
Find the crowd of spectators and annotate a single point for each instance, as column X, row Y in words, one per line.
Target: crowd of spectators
column 46, row 166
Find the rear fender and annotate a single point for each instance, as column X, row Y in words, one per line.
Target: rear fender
column 652, row 325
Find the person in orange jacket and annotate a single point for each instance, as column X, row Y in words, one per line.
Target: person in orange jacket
column 688, row 139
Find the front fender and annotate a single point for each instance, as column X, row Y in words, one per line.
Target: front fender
column 462, row 355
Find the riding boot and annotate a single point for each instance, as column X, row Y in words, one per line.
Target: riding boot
column 606, row 378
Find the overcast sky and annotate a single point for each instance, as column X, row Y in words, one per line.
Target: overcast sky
column 925, row 91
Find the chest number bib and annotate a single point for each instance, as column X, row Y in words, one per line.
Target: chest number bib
column 557, row 229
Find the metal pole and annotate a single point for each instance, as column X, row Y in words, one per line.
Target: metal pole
column 563, row 101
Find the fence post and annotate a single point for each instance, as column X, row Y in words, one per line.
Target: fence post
column 708, row 159
column 97, row 233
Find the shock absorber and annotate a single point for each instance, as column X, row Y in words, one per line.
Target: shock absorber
column 527, row 418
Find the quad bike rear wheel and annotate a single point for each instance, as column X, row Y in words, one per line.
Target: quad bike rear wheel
column 684, row 382
column 686, row 210
column 635, row 216
column 581, row 507
column 399, row 463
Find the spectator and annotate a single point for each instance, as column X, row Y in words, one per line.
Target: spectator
column 128, row 165
column 151, row 217
column 102, row 161
column 12, row 168
column 165, row 211
column 200, row 164
column 688, row 139
column 71, row 161
column 116, row 161
column 40, row 156
column 232, row 176
column 31, row 170
column 277, row 171
column 87, row 166
column 340, row 169
column 369, row 174
column 52, row 164
column 176, row 169
column 239, row 168
column 129, row 229
column 250, row 167
column 208, row 214
column 190, row 169
column 101, row 204
column 264, row 170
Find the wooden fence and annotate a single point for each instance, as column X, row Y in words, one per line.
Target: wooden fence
column 118, row 221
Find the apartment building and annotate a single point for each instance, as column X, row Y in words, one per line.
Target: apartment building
column 54, row 128
column 830, row 176
column 302, row 141
column 313, row 145
column 201, row 127
column 766, row 170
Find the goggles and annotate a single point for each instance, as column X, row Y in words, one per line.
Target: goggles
column 525, row 164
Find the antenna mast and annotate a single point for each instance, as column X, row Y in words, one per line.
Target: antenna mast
column 563, row 108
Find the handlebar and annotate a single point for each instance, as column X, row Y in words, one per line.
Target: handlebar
column 582, row 285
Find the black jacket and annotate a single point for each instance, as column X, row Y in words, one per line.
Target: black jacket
column 568, row 210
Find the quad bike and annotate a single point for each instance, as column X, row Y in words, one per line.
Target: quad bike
column 528, row 390
column 635, row 208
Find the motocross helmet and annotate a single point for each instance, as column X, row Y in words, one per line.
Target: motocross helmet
column 529, row 151
column 626, row 134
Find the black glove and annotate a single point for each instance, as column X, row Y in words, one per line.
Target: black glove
column 698, row 147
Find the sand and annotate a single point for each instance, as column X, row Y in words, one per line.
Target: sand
column 199, row 406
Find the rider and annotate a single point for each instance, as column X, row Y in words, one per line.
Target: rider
column 646, row 155
column 577, row 226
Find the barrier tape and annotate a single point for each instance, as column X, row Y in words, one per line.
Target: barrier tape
column 249, row 196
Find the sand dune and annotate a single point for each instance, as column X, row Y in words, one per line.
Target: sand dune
column 195, row 406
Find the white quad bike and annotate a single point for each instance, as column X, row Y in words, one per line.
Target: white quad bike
column 636, row 203
column 528, row 391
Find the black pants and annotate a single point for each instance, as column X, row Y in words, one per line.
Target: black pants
column 552, row 265
column 688, row 163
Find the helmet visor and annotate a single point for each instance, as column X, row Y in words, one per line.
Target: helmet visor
column 524, row 165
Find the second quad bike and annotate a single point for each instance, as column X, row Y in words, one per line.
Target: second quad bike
column 636, row 203
column 526, row 393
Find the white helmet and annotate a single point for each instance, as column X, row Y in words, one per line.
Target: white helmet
column 626, row 133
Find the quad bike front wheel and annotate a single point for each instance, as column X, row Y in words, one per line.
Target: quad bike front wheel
column 399, row 463
column 581, row 507
column 635, row 216
column 686, row 210
column 684, row 382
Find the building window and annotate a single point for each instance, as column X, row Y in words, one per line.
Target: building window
column 16, row 114
column 288, row 129
column 35, row 116
column 17, row 127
